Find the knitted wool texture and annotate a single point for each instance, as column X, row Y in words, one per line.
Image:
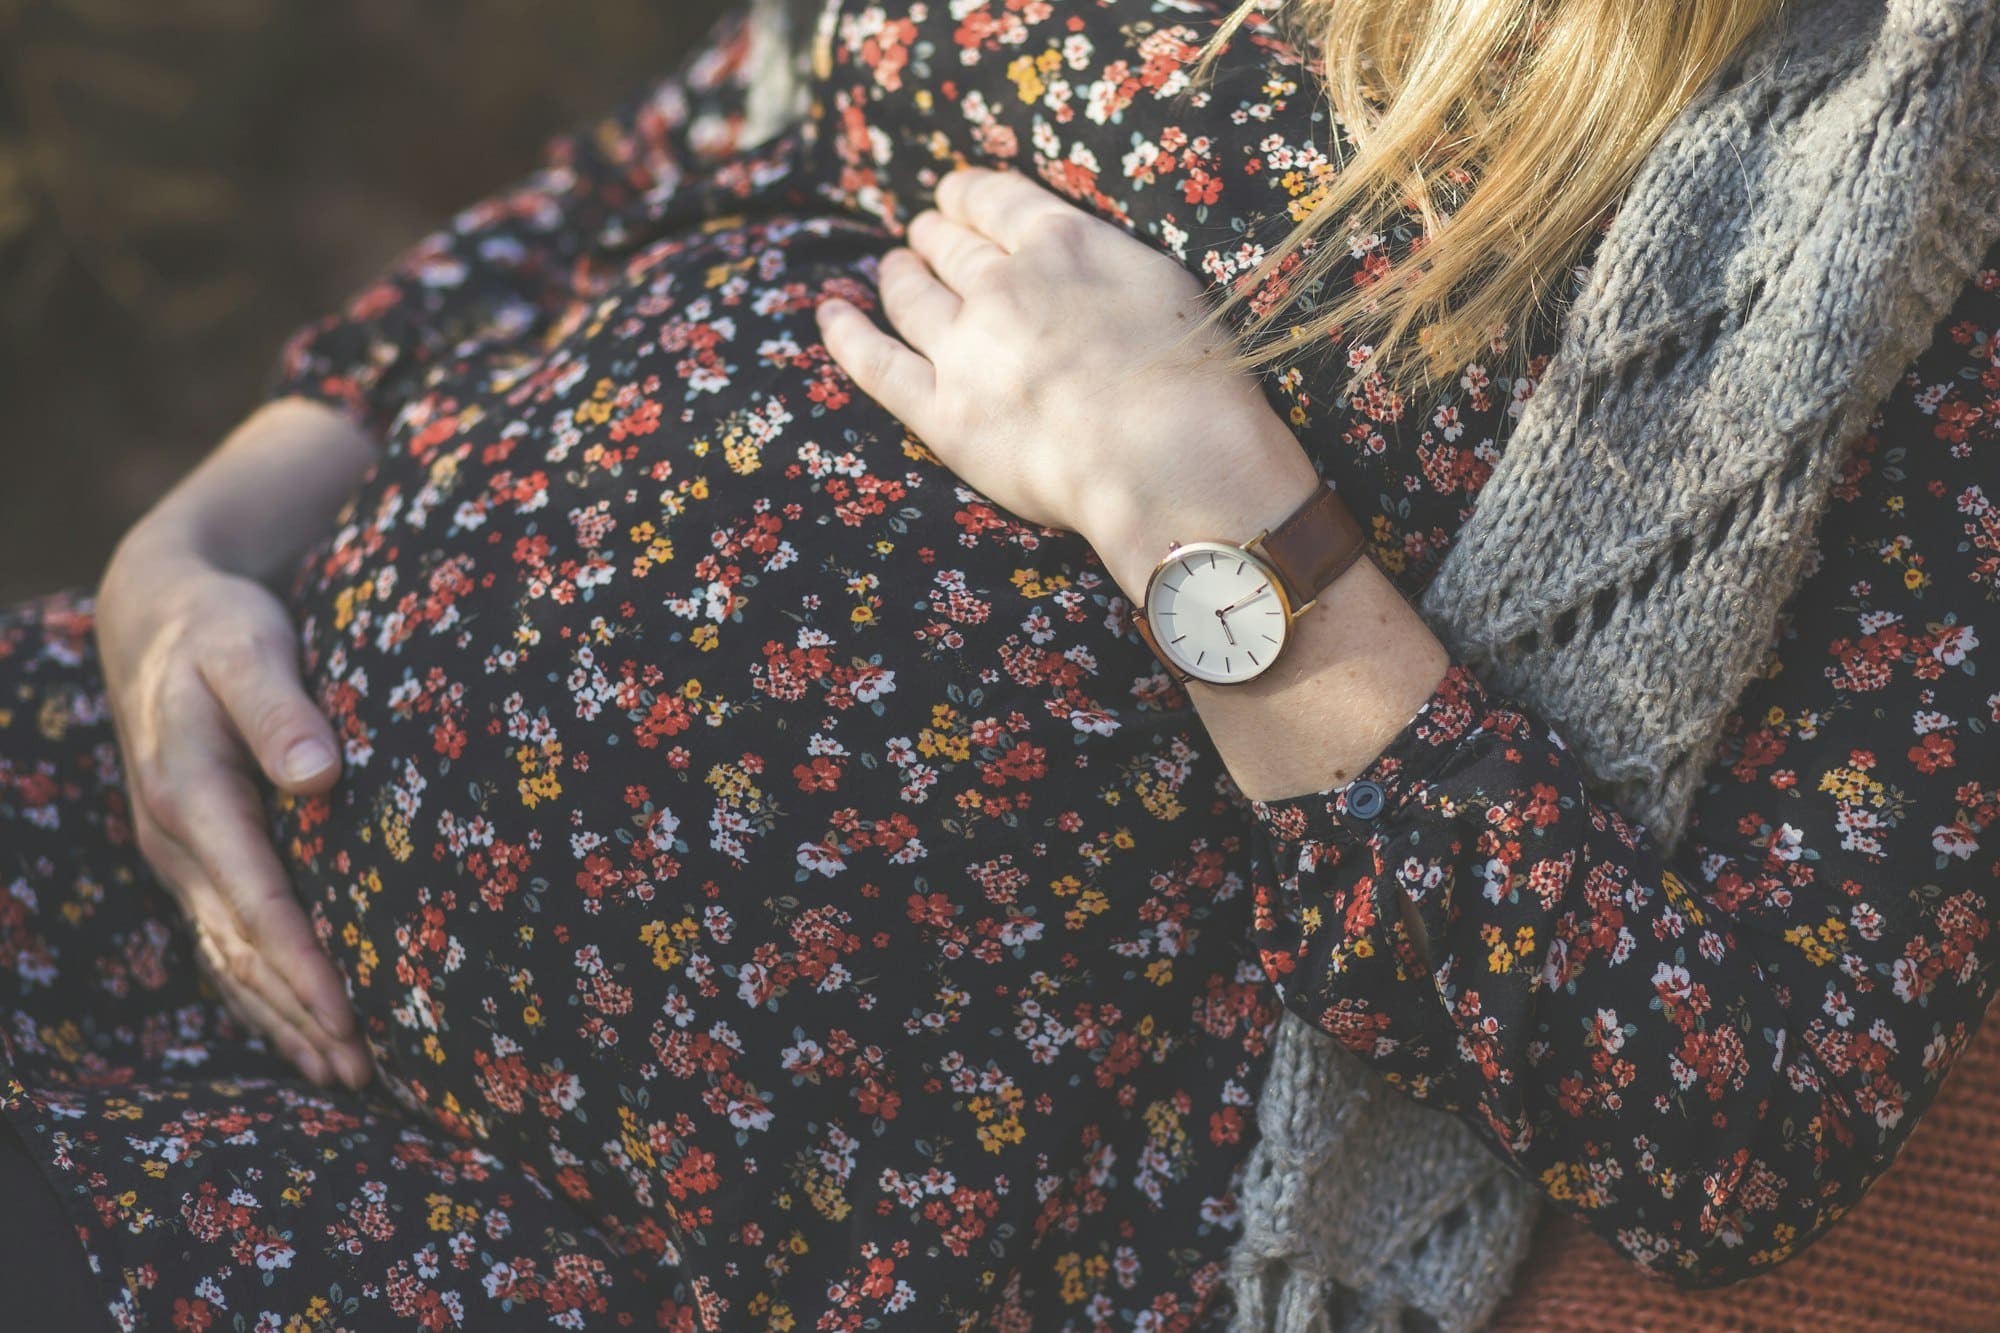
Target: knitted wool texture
column 1784, row 252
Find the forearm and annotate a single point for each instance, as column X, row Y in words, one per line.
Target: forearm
column 266, row 493
column 1359, row 664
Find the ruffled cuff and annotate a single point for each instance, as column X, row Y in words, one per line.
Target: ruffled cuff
column 335, row 361
column 1342, row 919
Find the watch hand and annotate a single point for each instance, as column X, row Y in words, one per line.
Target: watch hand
column 1225, row 625
column 1262, row 588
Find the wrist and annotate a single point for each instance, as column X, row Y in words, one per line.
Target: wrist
column 265, row 494
column 1226, row 497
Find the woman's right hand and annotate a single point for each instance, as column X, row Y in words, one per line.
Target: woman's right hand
column 203, row 678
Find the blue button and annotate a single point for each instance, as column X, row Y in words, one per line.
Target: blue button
column 1365, row 800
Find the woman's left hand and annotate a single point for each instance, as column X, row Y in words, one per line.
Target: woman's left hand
column 1045, row 356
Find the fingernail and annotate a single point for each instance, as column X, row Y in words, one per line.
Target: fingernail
column 337, row 1023
column 306, row 758
column 313, row 1067
column 354, row 1068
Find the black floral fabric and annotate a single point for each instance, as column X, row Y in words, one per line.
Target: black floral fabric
column 781, row 890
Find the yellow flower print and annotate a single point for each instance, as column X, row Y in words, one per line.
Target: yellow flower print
column 632, row 1136
column 1815, row 951
column 362, row 951
column 1092, row 903
column 1683, row 901
column 1564, row 1182
column 597, row 409
column 344, row 602
column 396, row 835
column 937, row 741
column 439, row 1218
column 538, row 772
column 1160, row 797
column 666, row 941
column 743, row 452
column 1031, row 583
column 1080, row 1276
column 1851, row 786
column 1821, row 946
column 1026, row 72
column 823, row 1193
column 995, row 1137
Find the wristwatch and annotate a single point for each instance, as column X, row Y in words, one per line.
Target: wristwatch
column 1222, row 613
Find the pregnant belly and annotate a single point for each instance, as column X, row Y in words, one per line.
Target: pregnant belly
column 740, row 815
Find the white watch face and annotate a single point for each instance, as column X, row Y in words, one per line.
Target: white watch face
column 1217, row 612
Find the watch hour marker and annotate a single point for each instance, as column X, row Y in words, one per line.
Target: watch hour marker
column 1177, row 640
column 1225, row 664
column 1271, row 637
column 1186, row 566
column 1253, row 656
column 1198, row 657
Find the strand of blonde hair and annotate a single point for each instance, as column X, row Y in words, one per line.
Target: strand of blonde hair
column 1548, row 106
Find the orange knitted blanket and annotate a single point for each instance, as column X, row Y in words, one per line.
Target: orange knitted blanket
column 1921, row 1249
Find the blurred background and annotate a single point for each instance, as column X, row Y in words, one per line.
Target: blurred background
column 183, row 182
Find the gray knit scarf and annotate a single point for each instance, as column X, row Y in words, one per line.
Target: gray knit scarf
column 1786, row 250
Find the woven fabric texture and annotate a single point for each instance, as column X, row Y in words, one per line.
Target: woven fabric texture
column 1916, row 1252
column 1822, row 201
column 1825, row 198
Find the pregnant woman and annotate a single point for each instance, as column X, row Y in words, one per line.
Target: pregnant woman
column 785, row 840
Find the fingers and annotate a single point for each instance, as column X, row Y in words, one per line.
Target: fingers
column 1003, row 205
column 250, row 985
column 255, row 677
column 959, row 255
column 221, row 827
column 203, row 821
column 880, row 365
column 220, row 961
column 919, row 306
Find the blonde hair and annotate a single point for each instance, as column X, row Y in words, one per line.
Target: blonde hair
column 1510, row 128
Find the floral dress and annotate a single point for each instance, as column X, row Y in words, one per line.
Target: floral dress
column 780, row 889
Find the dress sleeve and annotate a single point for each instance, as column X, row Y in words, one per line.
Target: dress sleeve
column 506, row 268
column 1707, row 1057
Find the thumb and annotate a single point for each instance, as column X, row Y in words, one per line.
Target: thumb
column 259, row 687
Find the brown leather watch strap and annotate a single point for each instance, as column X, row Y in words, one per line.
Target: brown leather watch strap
column 1313, row 547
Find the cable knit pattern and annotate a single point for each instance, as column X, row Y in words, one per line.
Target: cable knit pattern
column 1825, row 199
column 860, row 1082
